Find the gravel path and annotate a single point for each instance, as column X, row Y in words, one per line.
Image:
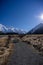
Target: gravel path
column 24, row 55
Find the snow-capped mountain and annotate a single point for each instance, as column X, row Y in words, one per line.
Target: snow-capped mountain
column 5, row 29
column 37, row 29
column 16, row 30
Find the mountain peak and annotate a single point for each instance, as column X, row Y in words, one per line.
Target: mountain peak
column 40, row 24
column 4, row 29
column 37, row 29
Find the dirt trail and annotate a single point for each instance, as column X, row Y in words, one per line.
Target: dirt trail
column 24, row 55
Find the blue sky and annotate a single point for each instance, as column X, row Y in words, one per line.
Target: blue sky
column 20, row 13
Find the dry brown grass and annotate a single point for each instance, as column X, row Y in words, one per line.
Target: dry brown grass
column 3, row 41
column 35, row 40
column 5, row 52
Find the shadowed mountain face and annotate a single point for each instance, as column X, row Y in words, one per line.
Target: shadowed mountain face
column 37, row 30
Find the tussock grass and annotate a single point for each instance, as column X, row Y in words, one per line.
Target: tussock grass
column 35, row 40
column 5, row 52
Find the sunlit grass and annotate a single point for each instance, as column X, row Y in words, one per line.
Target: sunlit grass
column 5, row 52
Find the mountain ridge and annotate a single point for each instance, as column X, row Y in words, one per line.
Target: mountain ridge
column 38, row 29
column 5, row 29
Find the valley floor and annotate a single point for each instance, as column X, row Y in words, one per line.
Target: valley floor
column 25, row 55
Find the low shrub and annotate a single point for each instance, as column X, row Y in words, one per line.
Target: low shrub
column 15, row 40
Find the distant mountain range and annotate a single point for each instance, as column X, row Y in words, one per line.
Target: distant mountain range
column 37, row 29
column 4, row 29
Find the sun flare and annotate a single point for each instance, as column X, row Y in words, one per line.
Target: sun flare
column 41, row 16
